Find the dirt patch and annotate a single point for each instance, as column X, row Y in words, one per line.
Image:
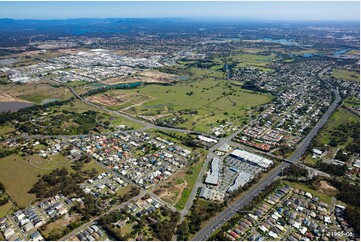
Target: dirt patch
column 114, row 99
column 169, row 190
column 152, row 76
column 326, row 188
column 108, row 100
column 4, row 97
column 181, row 187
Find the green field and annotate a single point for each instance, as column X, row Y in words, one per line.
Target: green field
column 346, row 75
column 353, row 102
column 213, row 99
column 6, row 129
column 18, row 175
column 124, row 190
column 254, row 61
column 341, row 116
column 4, row 209
column 36, row 97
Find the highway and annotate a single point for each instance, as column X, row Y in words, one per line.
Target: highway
column 229, row 212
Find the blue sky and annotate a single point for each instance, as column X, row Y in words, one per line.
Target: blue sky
column 306, row 10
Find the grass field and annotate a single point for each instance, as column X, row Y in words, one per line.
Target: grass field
column 353, row 52
column 35, row 92
column 124, row 190
column 352, row 102
column 6, row 129
column 346, row 75
column 341, row 116
column 323, row 197
column 80, row 107
column 255, row 61
column 206, row 96
column 18, row 175
column 77, row 83
column 4, row 209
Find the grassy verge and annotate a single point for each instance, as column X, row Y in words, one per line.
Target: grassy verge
column 190, row 178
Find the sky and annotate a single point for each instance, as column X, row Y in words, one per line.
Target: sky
column 255, row 10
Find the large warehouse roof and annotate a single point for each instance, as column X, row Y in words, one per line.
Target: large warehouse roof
column 256, row 159
column 213, row 176
column 240, row 181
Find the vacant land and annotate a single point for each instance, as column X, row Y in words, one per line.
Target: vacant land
column 346, row 75
column 340, row 117
column 26, row 174
column 212, row 100
column 253, row 61
column 35, row 92
column 189, row 179
column 4, row 209
column 323, row 197
column 352, row 102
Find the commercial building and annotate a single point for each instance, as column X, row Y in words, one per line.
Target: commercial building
column 240, row 181
column 252, row 158
column 213, row 176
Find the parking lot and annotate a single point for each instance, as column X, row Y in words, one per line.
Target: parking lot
column 231, row 168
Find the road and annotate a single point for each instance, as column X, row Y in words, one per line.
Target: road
column 229, row 212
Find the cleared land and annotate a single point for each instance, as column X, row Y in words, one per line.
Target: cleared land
column 149, row 76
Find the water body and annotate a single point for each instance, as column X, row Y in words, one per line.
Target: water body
column 125, row 85
column 97, row 85
column 306, row 55
column 341, row 52
column 13, row 106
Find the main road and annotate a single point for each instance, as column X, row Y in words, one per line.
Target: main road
column 229, row 212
